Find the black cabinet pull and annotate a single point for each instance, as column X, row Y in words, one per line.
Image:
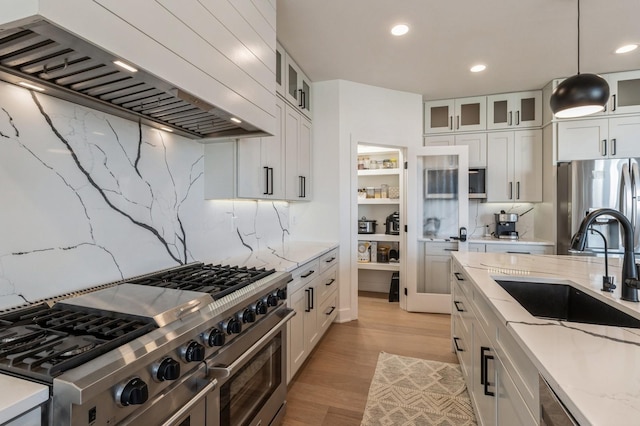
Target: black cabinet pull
column 266, row 180
column 308, row 307
column 455, row 343
column 484, row 370
column 331, row 281
column 301, row 102
column 451, row 122
column 455, row 302
column 518, row 190
column 519, row 252
column 330, row 260
column 312, row 297
column 333, row 308
column 614, row 103
column 459, row 276
column 308, row 274
column 517, row 118
column 510, row 190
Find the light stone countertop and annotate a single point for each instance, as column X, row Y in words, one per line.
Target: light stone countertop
column 281, row 257
column 492, row 240
column 19, row 396
column 594, row 370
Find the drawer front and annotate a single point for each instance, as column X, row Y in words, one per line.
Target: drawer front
column 462, row 308
column 328, row 260
column 513, row 408
column 522, row 371
column 440, row 248
column 304, row 274
column 328, row 312
column 463, row 282
column 327, row 283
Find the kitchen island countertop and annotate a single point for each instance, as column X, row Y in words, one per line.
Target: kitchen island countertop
column 281, row 257
column 594, row 370
column 19, row 396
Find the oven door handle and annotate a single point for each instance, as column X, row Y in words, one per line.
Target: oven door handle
column 224, row 372
column 189, row 405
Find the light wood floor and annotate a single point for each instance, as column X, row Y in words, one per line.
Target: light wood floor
column 331, row 387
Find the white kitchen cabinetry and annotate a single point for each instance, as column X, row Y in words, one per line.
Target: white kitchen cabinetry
column 501, row 380
column 313, row 295
column 281, row 70
column 514, row 110
column 455, row 115
column 514, row 166
column 297, row 87
column 477, row 143
column 297, row 142
column 624, row 92
column 437, row 267
column 514, row 247
column 592, row 139
column 261, row 163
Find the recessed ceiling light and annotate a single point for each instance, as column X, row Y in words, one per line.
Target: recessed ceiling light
column 478, row 68
column 400, row 29
column 627, row 48
column 31, row 86
column 125, row 66
column 235, row 120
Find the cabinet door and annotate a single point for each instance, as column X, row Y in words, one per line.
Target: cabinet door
column 583, row 139
column 294, row 92
column 438, row 116
column 440, row 140
column 513, row 110
column 281, row 70
column 625, row 92
column 499, row 111
column 295, row 336
column 500, row 167
column 527, row 166
column 304, row 159
column 437, row 270
column 311, row 332
column 511, row 407
column 252, row 177
column 291, row 137
column 304, row 84
column 470, row 114
column 272, row 153
column 484, row 377
column 624, row 137
column 477, row 143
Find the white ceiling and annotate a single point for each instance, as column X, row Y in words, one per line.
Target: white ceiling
column 524, row 43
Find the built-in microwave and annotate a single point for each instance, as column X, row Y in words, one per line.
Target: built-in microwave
column 443, row 183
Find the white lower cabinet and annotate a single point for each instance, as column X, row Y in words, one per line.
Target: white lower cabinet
column 502, row 382
column 313, row 295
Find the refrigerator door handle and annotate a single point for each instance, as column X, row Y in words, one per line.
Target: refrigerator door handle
column 635, row 188
column 626, row 196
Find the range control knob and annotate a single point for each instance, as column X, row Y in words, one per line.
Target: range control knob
column 192, row 352
column 247, row 316
column 271, row 300
column 260, row 307
column 167, row 369
column 134, row 392
column 281, row 293
column 213, row 337
column 232, row 326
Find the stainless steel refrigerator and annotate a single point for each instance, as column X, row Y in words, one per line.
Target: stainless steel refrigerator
column 591, row 184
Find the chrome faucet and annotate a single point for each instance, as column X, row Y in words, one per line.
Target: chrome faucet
column 630, row 280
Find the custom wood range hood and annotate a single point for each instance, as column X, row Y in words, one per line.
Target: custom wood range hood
column 70, row 68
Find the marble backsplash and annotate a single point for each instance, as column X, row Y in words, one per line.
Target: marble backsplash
column 482, row 214
column 89, row 198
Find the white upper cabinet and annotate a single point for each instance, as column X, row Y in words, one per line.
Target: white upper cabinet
column 455, row 115
column 625, row 92
column 477, row 143
column 514, row 166
column 281, row 70
column 615, row 137
column 297, row 155
column 514, row 110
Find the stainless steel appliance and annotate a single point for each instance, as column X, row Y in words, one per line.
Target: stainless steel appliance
column 366, row 226
column 392, row 224
column 477, row 183
column 584, row 186
column 552, row 412
column 198, row 344
column 506, row 225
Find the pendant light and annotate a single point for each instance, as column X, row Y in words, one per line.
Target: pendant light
column 581, row 94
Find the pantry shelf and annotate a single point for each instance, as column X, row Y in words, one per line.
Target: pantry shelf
column 379, row 266
column 378, row 201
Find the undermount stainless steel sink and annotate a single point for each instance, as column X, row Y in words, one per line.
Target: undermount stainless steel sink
column 564, row 302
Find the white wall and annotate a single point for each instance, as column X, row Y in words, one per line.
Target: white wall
column 345, row 114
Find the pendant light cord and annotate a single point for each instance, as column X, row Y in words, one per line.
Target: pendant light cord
column 578, row 37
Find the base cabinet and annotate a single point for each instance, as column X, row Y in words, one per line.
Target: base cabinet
column 499, row 377
column 313, row 294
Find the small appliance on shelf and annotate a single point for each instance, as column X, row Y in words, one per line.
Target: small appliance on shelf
column 506, row 225
column 392, row 224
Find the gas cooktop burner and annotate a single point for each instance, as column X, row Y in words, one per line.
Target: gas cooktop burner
column 21, row 333
column 217, row 280
column 75, row 345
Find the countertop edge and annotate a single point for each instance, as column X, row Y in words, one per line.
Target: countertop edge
column 24, row 397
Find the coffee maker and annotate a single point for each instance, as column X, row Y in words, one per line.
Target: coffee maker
column 393, row 224
column 506, row 225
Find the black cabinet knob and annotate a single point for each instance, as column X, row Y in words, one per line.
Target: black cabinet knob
column 135, row 392
column 168, row 369
column 214, row 337
column 232, row 326
column 193, row 352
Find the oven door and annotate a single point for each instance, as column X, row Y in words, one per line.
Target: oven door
column 252, row 375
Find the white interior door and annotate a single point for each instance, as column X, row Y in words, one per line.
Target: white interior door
column 437, row 216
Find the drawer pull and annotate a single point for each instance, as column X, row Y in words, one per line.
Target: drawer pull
column 333, row 308
column 331, row 281
column 308, row 274
column 330, row 260
column 459, row 276
column 455, row 343
column 455, row 302
column 519, row 252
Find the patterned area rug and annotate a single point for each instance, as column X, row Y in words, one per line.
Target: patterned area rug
column 410, row 391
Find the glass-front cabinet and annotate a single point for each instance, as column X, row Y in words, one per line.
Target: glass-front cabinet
column 437, row 213
column 625, row 92
column 455, row 115
column 513, row 110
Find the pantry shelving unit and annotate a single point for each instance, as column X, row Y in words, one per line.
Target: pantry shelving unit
column 374, row 276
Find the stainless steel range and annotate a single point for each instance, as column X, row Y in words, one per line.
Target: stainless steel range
column 194, row 345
